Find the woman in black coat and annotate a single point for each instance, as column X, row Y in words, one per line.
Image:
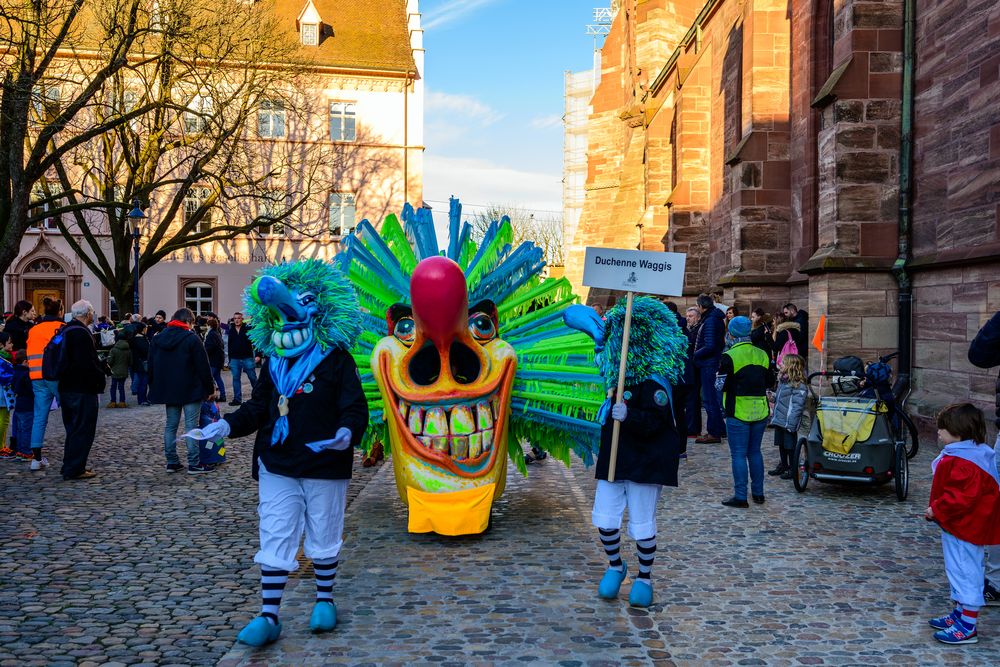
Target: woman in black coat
column 215, row 347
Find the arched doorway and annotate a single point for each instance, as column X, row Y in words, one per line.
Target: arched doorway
column 44, row 277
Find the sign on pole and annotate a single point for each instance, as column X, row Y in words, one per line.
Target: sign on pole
column 632, row 271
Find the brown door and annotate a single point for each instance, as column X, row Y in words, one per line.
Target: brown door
column 35, row 291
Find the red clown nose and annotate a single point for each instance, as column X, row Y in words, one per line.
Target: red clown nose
column 440, row 300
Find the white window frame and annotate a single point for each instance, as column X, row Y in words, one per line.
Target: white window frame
column 272, row 119
column 273, row 206
column 202, row 304
column 309, row 34
column 343, row 121
column 343, row 212
column 193, row 200
column 195, row 120
column 49, row 224
column 45, row 101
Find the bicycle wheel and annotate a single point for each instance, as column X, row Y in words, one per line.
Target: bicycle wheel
column 901, row 473
column 908, row 435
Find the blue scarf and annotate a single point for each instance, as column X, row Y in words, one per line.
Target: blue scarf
column 288, row 377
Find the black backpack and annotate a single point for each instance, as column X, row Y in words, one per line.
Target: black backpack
column 54, row 361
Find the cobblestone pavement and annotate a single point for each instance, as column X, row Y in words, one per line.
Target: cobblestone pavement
column 138, row 566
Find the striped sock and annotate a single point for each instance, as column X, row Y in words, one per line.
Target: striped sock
column 647, row 552
column 612, row 540
column 969, row 617
column 326, row 572
column 272, row 585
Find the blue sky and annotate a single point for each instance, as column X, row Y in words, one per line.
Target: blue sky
column 494, row 104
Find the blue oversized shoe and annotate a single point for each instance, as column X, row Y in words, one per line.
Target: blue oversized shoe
column 324, row 617
column 642, row 593
column 611, row 582
column 259, row 632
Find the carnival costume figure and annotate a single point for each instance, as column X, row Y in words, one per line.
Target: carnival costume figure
column 309, row 412
column 649, row 440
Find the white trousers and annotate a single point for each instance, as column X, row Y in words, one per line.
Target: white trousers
column 288, row 506
column 611, row 500
column 993, row 565
column 963, row 563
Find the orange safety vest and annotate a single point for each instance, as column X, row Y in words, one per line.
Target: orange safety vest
column 38, row 337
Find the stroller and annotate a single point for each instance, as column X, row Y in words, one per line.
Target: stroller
column 860, row 434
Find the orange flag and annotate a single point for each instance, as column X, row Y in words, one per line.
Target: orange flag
column 820, row 336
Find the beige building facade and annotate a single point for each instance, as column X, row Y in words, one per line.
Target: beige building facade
column 364, row 91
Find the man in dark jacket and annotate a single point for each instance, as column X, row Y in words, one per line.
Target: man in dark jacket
column 139, row 345
column 158, row 324
column 19, row 322
column 801, row 337
column 216, row 349
column 984, row 352
column 241, row 357
column 180, row 378
column 81, row 381
column 708, row 348
column 692, row 407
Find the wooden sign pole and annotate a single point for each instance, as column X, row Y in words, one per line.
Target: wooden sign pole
column 616, row 427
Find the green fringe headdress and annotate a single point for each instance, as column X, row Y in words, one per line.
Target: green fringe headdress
column 657, row 346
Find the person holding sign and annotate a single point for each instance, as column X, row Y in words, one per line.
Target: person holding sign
column 648, row 445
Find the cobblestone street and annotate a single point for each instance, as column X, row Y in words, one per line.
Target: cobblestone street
column 138, row 566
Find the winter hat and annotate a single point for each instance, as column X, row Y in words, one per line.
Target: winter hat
column 739, row 327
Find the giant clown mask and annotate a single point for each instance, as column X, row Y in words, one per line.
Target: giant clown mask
column 469, row 359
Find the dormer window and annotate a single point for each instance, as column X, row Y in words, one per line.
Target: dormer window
column 310, row 34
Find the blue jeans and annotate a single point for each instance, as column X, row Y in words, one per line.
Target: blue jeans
column 192, row 414
column 45, row 391
column 744, row 447
column 710, row 399
column 217, row 376
column 117, row 384
column 22, row 430
column 141, row 386
column 246, row 366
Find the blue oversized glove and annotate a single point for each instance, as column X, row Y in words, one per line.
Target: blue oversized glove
column 340, row 442
column 619, row 412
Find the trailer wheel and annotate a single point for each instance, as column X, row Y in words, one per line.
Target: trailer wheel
column 908, row 432
column 901, row 473
column 800, row 465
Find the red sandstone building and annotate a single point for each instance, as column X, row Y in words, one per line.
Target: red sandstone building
column 771, row 141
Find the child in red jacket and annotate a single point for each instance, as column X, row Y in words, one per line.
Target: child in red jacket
column 965, row 502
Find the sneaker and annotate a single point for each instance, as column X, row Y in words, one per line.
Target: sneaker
column 758, row 500
column 146, row 404
column 708, row 440
column 780, row 470
column 944, row 622
column 38, row 465
column 991, row 594
column 235, row 402
column 122, row 405
column 736, row 502
column 86, row 474
column 199, row 469
column 683, row 457
column 112, row 404
column 7, row 453
column 174, row 467
column 957, row 633
column 21, row 456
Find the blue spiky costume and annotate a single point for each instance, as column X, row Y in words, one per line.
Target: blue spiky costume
column 649, row 440
column 308, row 411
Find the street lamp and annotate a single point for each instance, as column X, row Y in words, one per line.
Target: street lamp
column 135, row 218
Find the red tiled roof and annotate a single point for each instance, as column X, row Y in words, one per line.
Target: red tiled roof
column 362, row 34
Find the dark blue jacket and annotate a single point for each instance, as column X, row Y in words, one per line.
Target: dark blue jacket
column 23, row 389
column 178, row 368
column 711, row 339
column 985, row 348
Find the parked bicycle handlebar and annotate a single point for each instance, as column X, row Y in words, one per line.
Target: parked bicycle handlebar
column 887, row 358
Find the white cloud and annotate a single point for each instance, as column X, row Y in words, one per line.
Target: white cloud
column 459, row 107
column 451, row 11
column 545, row 122
column 478, row 181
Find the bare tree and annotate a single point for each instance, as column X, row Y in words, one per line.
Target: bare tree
column 221, row 151
column 545, row 231
column 40, row 42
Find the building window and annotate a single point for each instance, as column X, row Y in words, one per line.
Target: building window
column 342, row 213
column 194, row 200
column 343, row 124
column 271, row 119
column 113, row 309
column 198, row 298
column 198, row 114
column 310, row 34
column 45, row 103
column 41, row 194
column 272, row 207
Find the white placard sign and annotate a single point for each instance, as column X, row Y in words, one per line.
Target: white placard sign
column 635, row 271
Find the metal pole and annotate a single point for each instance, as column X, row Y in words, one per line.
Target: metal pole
column 135, row 271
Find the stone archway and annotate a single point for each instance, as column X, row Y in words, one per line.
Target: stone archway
column 44, row 277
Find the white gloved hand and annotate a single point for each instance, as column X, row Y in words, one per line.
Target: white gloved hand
column 213, row 431
column 340, row 442
column 619, row 412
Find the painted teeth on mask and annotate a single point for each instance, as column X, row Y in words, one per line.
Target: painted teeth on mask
column 475, row 445
column 461, row 422
column 276, row 339
column 297, row 337
column 416, row 420
column 436, row 423
column 461, row 432
column 287, row 341
column 484, row 416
